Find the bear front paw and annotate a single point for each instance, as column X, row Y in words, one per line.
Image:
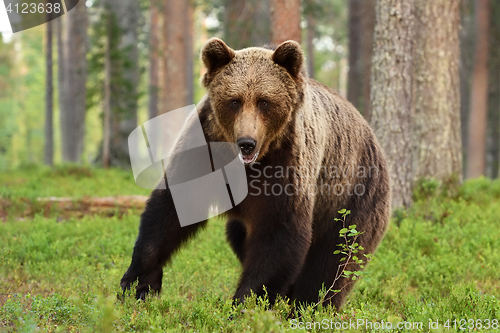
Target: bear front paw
column 150, row 282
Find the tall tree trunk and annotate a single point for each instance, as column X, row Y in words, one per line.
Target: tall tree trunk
column 62, row 76
column 177, row 77
column 177, row 59
column 467, row 38
column 106, row 135
column 392, row 92
column 494, row 93
column 438, row 147
column 355, row 77
column 247, row 23
column 49, row 101
column 367, row 28
column 285, row 16
column 124, row 16
column 188, row 36
column 361, row 25
column 154, row 59
column 311, row 32
column 74, row 71
column 476, row 149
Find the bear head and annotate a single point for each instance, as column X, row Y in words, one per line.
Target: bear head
column 253, row 93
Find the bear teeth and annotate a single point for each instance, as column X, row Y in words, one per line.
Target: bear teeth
column 248, row 159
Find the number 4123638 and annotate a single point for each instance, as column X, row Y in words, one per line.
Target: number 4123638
column 464, row 324
column 27, row 8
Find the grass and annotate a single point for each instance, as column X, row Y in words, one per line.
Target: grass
column 67, row 181
column 439, row 261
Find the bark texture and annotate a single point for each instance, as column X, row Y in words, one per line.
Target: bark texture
column 494, row 94
column 367, row 27
column 467, row 39
column 106, row 133
column 123, row 75
column 73, row 69
column 61, row 82
column 392, row 92
column 49, row 100
column 311, row 32
column 355, row 78
column 476, row 148
column 285, row 18
column 177, row 55
column 361, row 27
column 247, row 23
column 438, row 146
column 154, row 39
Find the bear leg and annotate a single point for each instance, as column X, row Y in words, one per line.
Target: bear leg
column 320, row 270
column 274, row 254
column 236, row 235
column 160, row 235
column 321, row 266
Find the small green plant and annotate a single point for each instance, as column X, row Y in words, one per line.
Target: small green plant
column 350, row 249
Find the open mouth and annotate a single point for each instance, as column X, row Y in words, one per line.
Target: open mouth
column 248, row 159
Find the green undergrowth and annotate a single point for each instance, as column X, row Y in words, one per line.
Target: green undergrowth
column 22, row 192
column 32, row 182
column 439, row 261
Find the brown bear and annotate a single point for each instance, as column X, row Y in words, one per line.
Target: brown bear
column 307, row 152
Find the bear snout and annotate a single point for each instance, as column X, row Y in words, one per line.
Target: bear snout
column 247, row 145
column 248, row 152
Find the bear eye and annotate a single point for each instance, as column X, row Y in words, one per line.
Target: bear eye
column 234, row 104
column 263, row 104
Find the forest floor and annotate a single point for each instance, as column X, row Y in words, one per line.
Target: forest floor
column 438, row 266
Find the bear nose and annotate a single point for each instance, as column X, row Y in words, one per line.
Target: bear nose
column 247, row 145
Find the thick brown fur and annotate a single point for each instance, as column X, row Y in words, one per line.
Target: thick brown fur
column 284, row 240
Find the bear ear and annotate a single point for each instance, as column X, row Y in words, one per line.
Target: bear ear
column 215, row 54
column 289, row 55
